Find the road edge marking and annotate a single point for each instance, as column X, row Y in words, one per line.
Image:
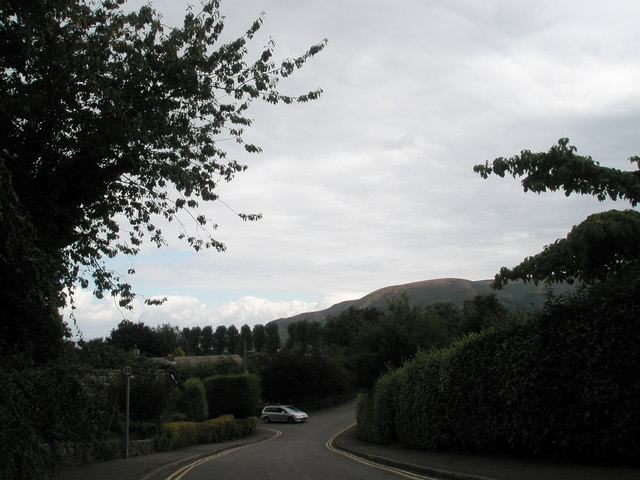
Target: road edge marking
column 182, row 471
column 331, row 445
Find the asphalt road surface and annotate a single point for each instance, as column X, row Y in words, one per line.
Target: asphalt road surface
column 295, row 452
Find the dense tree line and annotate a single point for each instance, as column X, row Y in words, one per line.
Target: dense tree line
column 165, row 339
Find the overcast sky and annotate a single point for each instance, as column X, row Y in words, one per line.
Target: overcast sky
column 373, row 184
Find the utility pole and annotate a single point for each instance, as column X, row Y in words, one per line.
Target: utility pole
column 127, row 371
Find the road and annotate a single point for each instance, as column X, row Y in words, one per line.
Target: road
column 295, row 452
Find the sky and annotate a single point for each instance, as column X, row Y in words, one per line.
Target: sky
column 372, row 185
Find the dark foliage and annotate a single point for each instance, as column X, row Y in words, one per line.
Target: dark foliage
column 109, row 119
column 296, row 377
column 236, row 395
column 563, row 386
column 74, row 411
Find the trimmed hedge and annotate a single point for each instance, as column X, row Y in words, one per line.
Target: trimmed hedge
column 564, row 386
column 381, row 406
column 183, row 434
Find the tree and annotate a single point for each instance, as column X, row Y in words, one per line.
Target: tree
column 192, row 340
column 595, row 250
column 562, row 169
column 603, row 245
column 343, row 330
column 233, row 337
column 395, row 336
column 109, row 120
column 97, row 353
column 220, row 339
column 129, row 335
column 29, row 292
column 481, row 312
column 304, row 336
column 166, row 338
column 259, row 337
column 272, row 338
column 207, row 340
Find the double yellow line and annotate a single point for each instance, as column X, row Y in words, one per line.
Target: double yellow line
column 370, row 463
column 179, row 474
column 330, row 444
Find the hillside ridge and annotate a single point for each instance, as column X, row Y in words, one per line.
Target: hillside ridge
column 518, row 295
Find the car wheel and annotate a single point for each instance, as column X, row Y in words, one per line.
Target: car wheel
column 290, row 420
column 266, row 420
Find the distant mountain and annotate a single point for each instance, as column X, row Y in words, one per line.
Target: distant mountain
column 515, row 295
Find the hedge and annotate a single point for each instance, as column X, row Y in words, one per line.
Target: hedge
column 42, row 406
column 563, row 386
column 183, row 434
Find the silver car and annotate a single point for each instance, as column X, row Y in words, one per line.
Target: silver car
column 283, row 413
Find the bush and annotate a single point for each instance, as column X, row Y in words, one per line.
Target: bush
column 232, row 394
column 193, row 402
column 183, row 434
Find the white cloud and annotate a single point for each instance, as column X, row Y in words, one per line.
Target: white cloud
column 96, row 318
column 372, row 185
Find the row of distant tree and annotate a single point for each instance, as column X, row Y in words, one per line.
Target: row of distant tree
column 166, row 339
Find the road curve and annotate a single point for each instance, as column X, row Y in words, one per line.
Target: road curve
column 295, row 452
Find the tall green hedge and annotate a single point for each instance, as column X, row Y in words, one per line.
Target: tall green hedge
column 565, row 386
column 232, row 394
column 41, row 407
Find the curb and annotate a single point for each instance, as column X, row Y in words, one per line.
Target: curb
column 164, row 471
column 420, row 469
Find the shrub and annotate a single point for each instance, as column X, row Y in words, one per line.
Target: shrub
column 182, row 434
column 194, row 401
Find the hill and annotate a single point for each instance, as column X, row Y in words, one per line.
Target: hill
column 515, row 295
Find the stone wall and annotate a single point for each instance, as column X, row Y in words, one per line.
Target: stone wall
column 68, row 454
